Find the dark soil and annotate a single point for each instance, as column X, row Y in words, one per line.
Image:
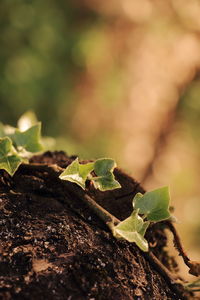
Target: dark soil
column 50, row 250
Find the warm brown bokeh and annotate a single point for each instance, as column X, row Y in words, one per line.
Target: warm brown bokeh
column 156, row 46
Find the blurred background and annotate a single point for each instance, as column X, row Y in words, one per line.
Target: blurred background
column 112, row 78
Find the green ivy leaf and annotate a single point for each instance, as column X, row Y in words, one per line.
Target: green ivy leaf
column 133, row 229
column 29, row 139
column 77, row 172
column 154, row 204
column 8, row 161
column 105, row 179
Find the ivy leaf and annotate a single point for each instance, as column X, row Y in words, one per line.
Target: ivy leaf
column 154, row 204
column 29, row 139
column 8, row 161
column 77, row 172
column 105, row 179
column 133, row 229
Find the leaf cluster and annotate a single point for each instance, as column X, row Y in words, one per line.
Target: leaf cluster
column 153, row 206
column 17, row 143
column 100, row 173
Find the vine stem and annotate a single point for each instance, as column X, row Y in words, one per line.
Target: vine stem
column 194, row 267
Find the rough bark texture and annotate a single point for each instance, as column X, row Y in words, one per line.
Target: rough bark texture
column 50, row 250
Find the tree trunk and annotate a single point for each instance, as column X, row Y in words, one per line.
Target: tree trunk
column 52, row 250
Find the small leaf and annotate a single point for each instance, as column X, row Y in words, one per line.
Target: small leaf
column 133, row 229
column 77, row 173
column 154, row 204
column 8, row 161
column 29, row 139
column 105, row 179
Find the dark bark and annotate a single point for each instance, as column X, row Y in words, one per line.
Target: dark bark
column 53, row 246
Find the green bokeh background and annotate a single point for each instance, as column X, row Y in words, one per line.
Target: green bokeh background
column 40, row 57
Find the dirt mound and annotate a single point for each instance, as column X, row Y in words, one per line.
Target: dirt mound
column 52, row 250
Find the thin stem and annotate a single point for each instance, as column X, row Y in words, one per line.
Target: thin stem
column 102, row 213
column 192, row 265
